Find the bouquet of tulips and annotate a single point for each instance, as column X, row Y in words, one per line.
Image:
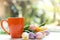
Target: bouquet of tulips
column 34, row 32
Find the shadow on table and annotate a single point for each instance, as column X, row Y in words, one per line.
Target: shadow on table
column 23, row 39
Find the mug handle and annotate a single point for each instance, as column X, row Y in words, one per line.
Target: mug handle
column 3, row 26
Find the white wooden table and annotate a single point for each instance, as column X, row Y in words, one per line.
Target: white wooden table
column 52, row 36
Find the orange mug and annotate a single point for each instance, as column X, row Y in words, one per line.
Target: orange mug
column 15, row 25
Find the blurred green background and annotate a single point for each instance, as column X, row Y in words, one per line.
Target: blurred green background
column 39, row 12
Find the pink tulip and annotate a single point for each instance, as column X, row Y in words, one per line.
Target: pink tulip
column 32, row 27
column 39, row 35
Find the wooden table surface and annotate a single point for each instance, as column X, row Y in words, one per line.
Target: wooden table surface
column 52, row 36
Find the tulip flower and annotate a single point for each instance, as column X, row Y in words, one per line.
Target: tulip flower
column 39, row 35
column 25, row 36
